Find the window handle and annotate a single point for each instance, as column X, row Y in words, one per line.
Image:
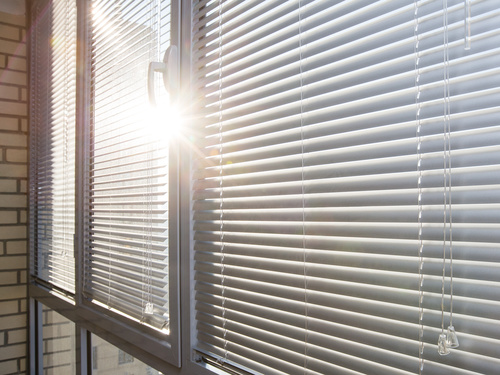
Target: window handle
column 169, row 70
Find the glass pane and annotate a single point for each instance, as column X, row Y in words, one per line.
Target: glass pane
column 108, row 359
column 52, row 148
column 59, row 344
column 127, row 262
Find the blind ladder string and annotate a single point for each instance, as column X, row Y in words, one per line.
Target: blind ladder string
column 451, row 337
column 221, row 200
column 443, row 348
column 419, row 190
column 306, row 308
column 66, row 120
column 147, row 219
column 448, row 340
column 154, row 149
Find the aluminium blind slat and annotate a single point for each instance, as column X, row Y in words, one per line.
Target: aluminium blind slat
column 130, row 299
column 52, row 156
column 254, row 97
column 463, row 251
column 130, row 284
column 305, row 192
column 356, row 143
column 345, row 310
column 121, row 268
column 128, row 256
column 484, row 287
column 336, row 341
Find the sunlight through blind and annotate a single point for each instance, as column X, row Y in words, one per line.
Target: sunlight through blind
column 305, row 196
column 52, row 142
column 126, row 260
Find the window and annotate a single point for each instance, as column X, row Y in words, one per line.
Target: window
column 59, row 344
column 52, row 168
column 127, row 255
column 95, row 363
column 344, row 146
column 330, row 206
column 124, row 357
column 111, row 360
column 102, row 169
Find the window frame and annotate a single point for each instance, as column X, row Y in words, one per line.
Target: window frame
column 166, row 349
column 142, row 342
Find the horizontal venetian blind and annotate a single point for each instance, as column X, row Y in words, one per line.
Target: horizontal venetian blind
column 126, row 260
column 306, row 193
column 52, row 147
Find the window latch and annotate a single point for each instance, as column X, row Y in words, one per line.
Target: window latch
column 169, row 70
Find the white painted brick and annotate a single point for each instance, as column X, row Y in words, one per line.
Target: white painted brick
column 13, row 351
column 13, row 200
column 8, row 278
column 8, row 123
column 23, row 279
column 13, row 108
column 9, row 367
column 17, row 247
column 8, row 232
column 8, row 217
column 16, row 63
column 8, row 186
column 23, row 217
column 17, row 156
column 22, row 365
column 12, row 48
column 11, row 19
column 9, row 92
column 13, row 77
column 12, row 292
column 23, row 186
column 23, row 303
column 13, row 170
column 10, row 32
column 9, row 307
column 13, row 262
column 16, row 336
column 13, row 139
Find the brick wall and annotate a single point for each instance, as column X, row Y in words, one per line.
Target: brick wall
column 13, row 195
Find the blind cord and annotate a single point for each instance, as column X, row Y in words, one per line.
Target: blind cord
column 221, row 199
column 151, row 143
column 419, row 190
column 443, row 348
column 448, row 340
column 306, row 308
column 451, row 338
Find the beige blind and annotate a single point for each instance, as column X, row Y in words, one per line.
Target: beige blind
column 126, row 257
column 52, row 142
column 321, row 124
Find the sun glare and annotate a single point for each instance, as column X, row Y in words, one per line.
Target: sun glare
column 161, row 123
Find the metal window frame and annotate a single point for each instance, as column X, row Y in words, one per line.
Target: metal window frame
column 164, row 355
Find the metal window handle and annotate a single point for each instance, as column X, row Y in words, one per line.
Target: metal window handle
column 169, row 70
